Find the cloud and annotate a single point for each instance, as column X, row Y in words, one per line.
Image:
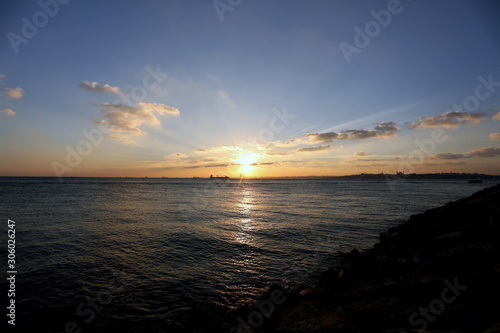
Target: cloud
column 127, row 119
column 360, row 153
column 9, row 112
column 496, row 116
column 313, row 149
column 494, row 136
column 368, row 160
column 322, row 137
column 218, row 149
column 368, row 165
column 96, row 87
column 2, row 76
column 383, row 129
column 121, row 137
column 158, row 108
column 277, row 154
column 279, row 144
column 447, row 156
column 263, row 163
column 449, row 120
column 484, row 152
column 176, row 156
column 14, row 93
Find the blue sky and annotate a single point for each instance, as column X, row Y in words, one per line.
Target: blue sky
column 224, row 81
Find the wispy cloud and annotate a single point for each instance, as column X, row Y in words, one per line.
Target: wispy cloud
column 96, row 87
column 449, row 120
column 217, row 149
column 481, row 152
column 496, row 116
column 360, row 153
column 276, row 154
column 14, row 93
column 494, row 136
column 447, row 156
column 313, row 149
column 484, row 152
column 383, row 129
column 176, row 156
column 8, row 112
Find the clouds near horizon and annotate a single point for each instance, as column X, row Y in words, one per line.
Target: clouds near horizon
column 447, row 156
column 383, row 129
column 313, row 149
column 448, row 120
column 485, row 152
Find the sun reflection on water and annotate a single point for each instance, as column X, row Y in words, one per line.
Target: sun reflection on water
column 245, row 224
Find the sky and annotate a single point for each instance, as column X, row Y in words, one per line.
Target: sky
column 252, row 88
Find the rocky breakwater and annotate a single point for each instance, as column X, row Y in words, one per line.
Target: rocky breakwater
column 438, row 272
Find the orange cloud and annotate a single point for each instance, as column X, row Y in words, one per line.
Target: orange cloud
column 14, row 93
column 494, row 136
column 9, row 112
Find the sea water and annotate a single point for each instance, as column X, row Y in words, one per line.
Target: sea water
column 130, row 254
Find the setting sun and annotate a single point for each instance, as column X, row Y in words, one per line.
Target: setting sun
column 246, row 160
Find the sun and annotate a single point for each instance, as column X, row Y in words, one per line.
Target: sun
column 246, row 161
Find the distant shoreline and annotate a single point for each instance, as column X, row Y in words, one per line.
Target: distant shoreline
column 383, row 176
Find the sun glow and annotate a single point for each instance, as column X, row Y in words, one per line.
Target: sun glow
column 246, row 161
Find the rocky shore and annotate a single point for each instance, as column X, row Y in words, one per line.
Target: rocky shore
column 438, row 272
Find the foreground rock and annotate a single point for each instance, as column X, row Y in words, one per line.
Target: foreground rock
column 438, row 272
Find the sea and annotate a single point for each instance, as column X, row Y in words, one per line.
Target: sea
column 137, row 254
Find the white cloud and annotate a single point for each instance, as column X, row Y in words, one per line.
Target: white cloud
column 449, row 120
column 96, row 87
column 8, row 112
column 14, row 93
column 127, row 119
